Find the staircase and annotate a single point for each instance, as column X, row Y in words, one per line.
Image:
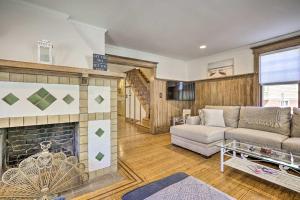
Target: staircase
column 141, row 88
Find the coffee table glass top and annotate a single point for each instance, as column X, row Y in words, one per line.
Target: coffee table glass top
column 263, row 153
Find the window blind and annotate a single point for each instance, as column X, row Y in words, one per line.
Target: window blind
column 280, row 67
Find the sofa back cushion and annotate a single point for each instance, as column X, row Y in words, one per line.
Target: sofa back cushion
column 231, row 114
column 296, row 122
column 271, row 119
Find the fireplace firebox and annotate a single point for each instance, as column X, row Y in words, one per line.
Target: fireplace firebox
column 22, row 142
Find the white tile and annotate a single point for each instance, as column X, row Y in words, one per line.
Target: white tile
column 98, row 144
column 23, row 107
column 94, row 92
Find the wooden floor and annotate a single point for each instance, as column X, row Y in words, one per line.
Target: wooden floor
column 144, row 158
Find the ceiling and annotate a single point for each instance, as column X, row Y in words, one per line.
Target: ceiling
column 177, row 28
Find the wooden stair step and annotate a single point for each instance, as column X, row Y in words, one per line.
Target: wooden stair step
column 146, row 121
column 142, row 128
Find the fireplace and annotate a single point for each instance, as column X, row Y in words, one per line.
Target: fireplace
column 74, row 108
column 22, row 142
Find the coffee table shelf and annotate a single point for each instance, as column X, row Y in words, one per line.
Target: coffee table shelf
column 244, row 157
column 281, row 178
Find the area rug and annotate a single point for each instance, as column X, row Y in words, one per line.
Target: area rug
column 179, row 186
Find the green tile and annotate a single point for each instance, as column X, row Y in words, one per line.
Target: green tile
column 10, row 99
column 50, row 99
column 42, row 92
column 42, row 99
column 42, row 104
column 99, row 132
column 68, row 99
column 34, row 98
column 99, row 99
column 99, row 156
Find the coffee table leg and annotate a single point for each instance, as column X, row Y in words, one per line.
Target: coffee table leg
column 222, row 158
column 234, row 147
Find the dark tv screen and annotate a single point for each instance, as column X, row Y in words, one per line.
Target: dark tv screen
column 180, row 91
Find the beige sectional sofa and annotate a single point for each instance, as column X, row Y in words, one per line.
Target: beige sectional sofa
column 271, row 127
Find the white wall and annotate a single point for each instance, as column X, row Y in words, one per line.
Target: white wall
column 167, row 68
column 243, row 63
column 22, row 24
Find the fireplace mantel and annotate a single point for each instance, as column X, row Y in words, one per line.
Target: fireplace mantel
column 5, row 64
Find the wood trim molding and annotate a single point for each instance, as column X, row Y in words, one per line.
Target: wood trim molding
column 163, row 79
column 19, row 65
column 281, row 44
column 113, row 59
column 225, row 78
column 208, row 79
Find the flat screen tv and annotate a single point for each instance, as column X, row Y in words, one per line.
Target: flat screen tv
column 180, row 91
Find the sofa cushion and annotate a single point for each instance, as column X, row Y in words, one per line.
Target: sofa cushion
column 292, row 145
column 231, row 114
column 213, row 117
column 296, row 123
column 271, row 119
column 199, row 133
column 264, row 138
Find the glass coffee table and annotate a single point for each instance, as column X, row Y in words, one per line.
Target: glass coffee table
column 252, row 159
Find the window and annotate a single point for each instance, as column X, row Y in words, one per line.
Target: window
column 280, row 95
column 280, row 78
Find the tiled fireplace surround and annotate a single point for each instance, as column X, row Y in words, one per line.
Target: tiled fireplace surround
column 90, row 123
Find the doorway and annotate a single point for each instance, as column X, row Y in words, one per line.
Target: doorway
column 133, row 105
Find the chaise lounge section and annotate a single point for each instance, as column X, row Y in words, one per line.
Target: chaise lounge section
column 201, row 138
column 198, row 138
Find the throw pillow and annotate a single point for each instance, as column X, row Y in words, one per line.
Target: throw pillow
column 231, row 114
column 296, row 122
column 214, row 117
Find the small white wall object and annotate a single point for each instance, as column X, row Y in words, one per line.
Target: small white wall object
column 99, row 145
column 186, row 112
column 44, row 51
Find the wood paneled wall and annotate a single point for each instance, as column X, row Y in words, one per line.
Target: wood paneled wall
column 161, row 110
column 229, row 91
column 235, row 90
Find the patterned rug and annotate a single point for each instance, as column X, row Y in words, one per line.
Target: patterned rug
column 179, row 186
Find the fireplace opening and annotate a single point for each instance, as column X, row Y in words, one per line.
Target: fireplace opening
column 22, row 142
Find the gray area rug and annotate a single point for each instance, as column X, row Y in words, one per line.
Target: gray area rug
column 189, row 188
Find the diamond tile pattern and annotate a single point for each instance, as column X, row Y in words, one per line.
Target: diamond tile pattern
column 10, row 99
column 99, row 156
column 99, row 132
column 68, row 99
column 99, row 99
column 42, row 99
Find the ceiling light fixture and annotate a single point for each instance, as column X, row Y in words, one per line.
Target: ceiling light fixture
column 203, row 47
